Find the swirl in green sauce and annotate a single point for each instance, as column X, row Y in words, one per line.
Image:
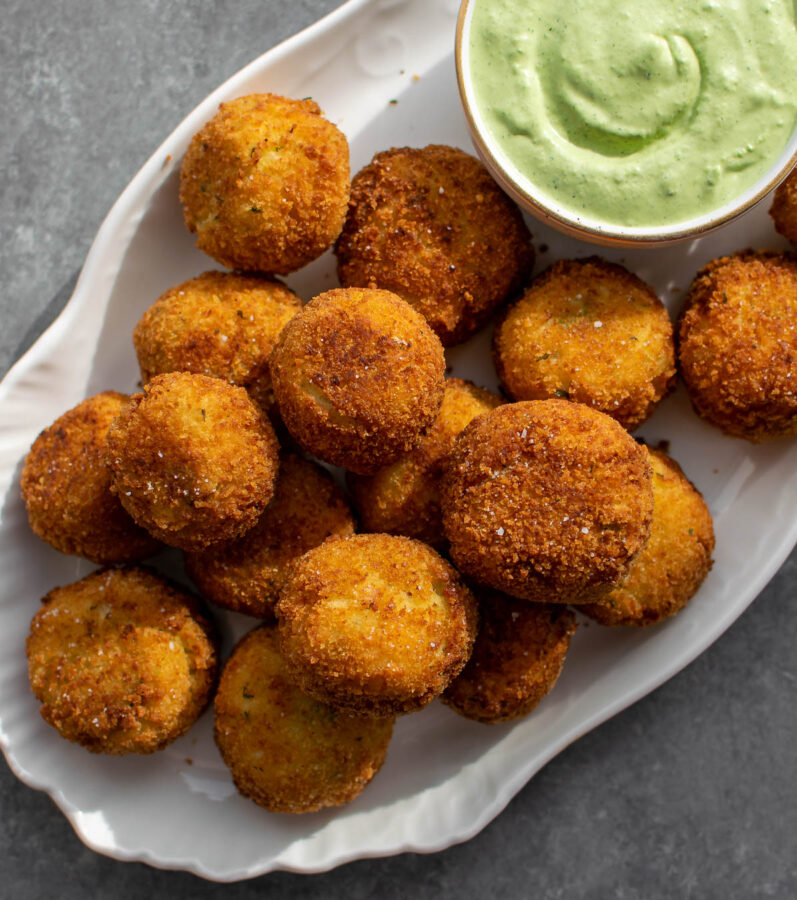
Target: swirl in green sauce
column 637, row 112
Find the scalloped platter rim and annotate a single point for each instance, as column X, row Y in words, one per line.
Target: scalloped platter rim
column 383, row 70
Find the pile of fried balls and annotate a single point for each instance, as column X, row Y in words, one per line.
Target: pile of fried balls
column 471, row 523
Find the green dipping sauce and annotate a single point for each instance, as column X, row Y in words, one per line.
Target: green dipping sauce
column 637, row 112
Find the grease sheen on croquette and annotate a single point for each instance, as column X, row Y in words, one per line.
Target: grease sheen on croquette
column 673, row 565
column 66, row 486
column 121, row 661
column 375, row 624
column 738, row 344
column 431, row 225
column 193, row 460
column 285, row 751
column 222, row 324
column 517, row 658
column 547, row 500
column 591, row 331
column 358, row 377
column 404, row 497
column 265, row 184
column 247, row 575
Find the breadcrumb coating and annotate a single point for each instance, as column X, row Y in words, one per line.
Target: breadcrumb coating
column 404, row 497
column 432, row 226
column 517, row 658
column 375, row 624
column 121, row 661
column 738, row 344
column 265, row 184
column 668, row 572
column 285, row 751
column 247, row 575
column 784, row 208
column 359, row 378
column 193, row 460
column 590, row 331
column 222, row 324
column 66, row 486
column 547, row 500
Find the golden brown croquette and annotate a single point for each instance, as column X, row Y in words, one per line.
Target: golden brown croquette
column 517, row 658
column 432, row 226
column 66, row 486
column 222, row 324
column 668, row 572
column 265, row 184
column 193, row 460
column 358, row 377
column 121, row 661
column 375, row 624
column 547, row 500
column 247, row 575
column 784, row 208
column 404, row 497
column 288, row 752
column 590, row 331
column 738, row 344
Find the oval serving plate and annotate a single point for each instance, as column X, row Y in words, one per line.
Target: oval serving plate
column 445, row 777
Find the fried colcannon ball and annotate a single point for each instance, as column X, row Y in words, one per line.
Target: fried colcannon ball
column 375, row 624
column 738, row 344
column 66, row 486
column 668, row 572
column 222, row 324
column 547, row 500
column 247, row 575
column 286, row 751
column 517, row 658
column 784, row 208
column 121, row 661
column 359, row 378
column 265, row 184
column 194, row 460
column 431, row 225
column 404, row 497
column 590, row 331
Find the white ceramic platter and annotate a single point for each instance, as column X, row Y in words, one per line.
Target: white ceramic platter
column 445, row 777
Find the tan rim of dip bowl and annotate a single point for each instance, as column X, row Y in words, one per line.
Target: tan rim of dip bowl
column 523, row 191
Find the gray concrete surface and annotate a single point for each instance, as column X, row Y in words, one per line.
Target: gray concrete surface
column 690, row 793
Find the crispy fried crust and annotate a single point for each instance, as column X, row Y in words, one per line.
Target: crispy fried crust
column 247, row 575
column 591, row 331
column 738, row 344
column 193, row 460
column 286, row 751
column 359, row 378
column 432, row 226
column 121, row 661
column 547, row 500
column 66, row 486
column 518, row 655
column 784, row 208
column 404, row 498
column 265, row 184
column 668, row 572
column 375, row 624
column 222, row 324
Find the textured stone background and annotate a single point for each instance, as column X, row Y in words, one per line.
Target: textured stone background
column 690, row 793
